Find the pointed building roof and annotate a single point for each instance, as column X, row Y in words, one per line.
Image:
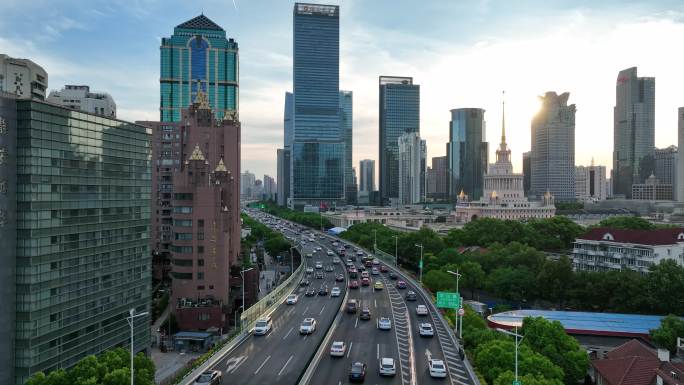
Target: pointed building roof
column 197, row 153
column 503, row 118
column 200, row 22
column 221, row 166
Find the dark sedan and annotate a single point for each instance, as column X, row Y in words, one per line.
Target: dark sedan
column 357, row 373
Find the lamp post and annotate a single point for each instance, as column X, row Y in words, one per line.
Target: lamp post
column 242, row 276
column 517, row 343
column 236, row 313
column 460, row 318
column 133, row 315
column 375, row 241
column 291, row 260
column 396, row 255
column 420, row 266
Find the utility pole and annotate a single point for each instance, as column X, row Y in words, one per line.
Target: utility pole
column 130, row 320
column 518, row 341
column 375, row 241
column 396, row 256
column 242, row 275
column 420, row 265
column 460, row 317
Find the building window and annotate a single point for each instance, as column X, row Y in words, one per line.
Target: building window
column 204, row 317
column 200, row 262
column 200, row 276
column 200, row 249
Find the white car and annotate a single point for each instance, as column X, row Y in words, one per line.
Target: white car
column 387, row 367
column 292, row 299
column 319, row 265
column 338, row 349
column 308, row 326
column 262, row 326
column 330, row 252
column 421, row 310
column 426, row 329
column 384, row 323
column 437, row 368
column 336, row 260
column 209, row 377
column 375, row 271
column 335, row 292
column 309, row 269
column 376, row 262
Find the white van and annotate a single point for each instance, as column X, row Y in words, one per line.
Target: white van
column 263, row 326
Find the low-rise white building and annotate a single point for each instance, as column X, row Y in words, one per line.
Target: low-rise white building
column 23, row 78
column 78, row 97
column 603, row 249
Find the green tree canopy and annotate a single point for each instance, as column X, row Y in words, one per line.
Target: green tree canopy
column 666, row 334
column 555, row 280
column 507, row 378
column 627, row 223
column 550, row 340
column 498, row 356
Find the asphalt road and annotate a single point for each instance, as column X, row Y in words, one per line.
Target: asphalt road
column 282, row 355
column 411, row 352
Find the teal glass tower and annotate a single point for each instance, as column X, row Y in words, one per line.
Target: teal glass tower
column 198, row 56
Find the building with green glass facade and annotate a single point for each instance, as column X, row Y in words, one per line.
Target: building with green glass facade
column 80, row 212
column 198, row 56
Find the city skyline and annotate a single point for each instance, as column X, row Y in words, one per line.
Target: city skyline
column 464, row 65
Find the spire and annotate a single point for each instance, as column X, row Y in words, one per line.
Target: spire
column 197, row 153
column 221, row 166
column 503, row 117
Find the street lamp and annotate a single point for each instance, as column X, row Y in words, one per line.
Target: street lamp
column 517, row 343
column 242, row 275
column 396, row 244
column 236, row 313
column 420, row 265
column 460, row 318
column 291, row 260
column 130, row 320
column 375, row 241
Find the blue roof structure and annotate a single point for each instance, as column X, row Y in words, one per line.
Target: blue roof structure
column 336, row 230
column 574, row 322
column 196, row 336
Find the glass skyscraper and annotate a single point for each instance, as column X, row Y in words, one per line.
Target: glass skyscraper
column 198, row 56
column 318, row 148
column 82, row 219
column 467, row 152
column 633, row 131
column 399, row 114
column 346, row 118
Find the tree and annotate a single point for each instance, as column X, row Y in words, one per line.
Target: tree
column 276, row 244
column 438, row 280
column 550, row 340
column 472, row 276
column 516, row 284
column 555, row 280
column 666, row 334
column 507, row 378
column 556, row 233
column 626, row 223
column 498, row 356
column 666, row 278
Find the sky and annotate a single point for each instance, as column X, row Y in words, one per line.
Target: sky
column 463, row 53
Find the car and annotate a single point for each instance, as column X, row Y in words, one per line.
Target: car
column 411, row 295
column 338, row 349
column 309, row 270
column 353, row 274
column 384, row 323
column 318, row 248
column 401, row 285
column 365, row 313
column 330, row 252
column 329, row 268
column 292, row 299
column 437, row 368
column 353, row 284
column 310, row 292
column 378, row 285
column 352, row 258
column 383, row 269
column 335, row 292
column 304, row 283
column 352, row 305
column 319, row 275
column 364, row 274
column 357, row 372
column 375, row 271
column 368, row 263
column 425, row 329
column 262, row 326
column 362, row 268
column 210, row 377
column 335, row 243
column 336, row 261
column 339, row 278
column 387, row 367
column 319, row 265
column 365, row 281
column 323, row 291
column 359, row 253
column 308, row 326
column 376, row 262
column 421, row 310
column 393, row 275
column 309, row 255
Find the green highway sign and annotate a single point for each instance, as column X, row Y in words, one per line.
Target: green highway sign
column 420, row 264
column 448, row 300
column 517, row 382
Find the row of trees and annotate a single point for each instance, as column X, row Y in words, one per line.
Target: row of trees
column 313, row 220
column 274, row 242
column 547, row 354
column 110, row 368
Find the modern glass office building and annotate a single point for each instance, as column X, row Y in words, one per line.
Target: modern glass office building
column 198, row 56
column 82, row 235
column 346, row 125
column 467, row 152
column 399, row 114
column 318, row 149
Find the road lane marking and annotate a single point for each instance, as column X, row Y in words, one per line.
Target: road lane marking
column 285, row 366
column 307, row 308
column 288, row 333
column 375, row 301
column 234, row 363
column 321, row 312
column 356, row 323
column 262, row 364
column 377, row 353
column 349, row 351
